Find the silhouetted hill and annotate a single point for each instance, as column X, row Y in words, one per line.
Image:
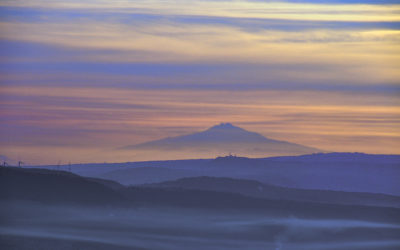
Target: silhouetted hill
column 108, row 183
column 260, row 190
column 53, row 186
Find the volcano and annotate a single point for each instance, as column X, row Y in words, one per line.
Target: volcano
column 222, row 139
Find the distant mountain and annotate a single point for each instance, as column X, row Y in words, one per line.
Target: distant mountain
column 351, row 172
column 260, row 190
column 221, row 139
column 340, row 157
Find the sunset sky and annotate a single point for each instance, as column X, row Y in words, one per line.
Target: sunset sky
column 79, row 79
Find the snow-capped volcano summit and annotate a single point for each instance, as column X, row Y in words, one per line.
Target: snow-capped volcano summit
column 225, row 126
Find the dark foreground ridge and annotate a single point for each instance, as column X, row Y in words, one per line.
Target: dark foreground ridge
column 54, row 187
column 59, row 187
column 260, row 190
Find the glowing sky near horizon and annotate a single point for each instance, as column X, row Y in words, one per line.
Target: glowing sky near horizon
column 79, row 79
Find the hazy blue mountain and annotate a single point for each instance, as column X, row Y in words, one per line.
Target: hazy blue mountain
column 260, row 190
column 352, row 172
column 344, row 157
column 355, row 172
column 220, row 140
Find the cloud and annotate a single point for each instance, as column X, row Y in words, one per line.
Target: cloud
column 94, row 37
column 244, row 9
column 114, row 116
column 80, row 77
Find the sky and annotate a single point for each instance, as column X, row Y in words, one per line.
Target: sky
column 79, row 79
